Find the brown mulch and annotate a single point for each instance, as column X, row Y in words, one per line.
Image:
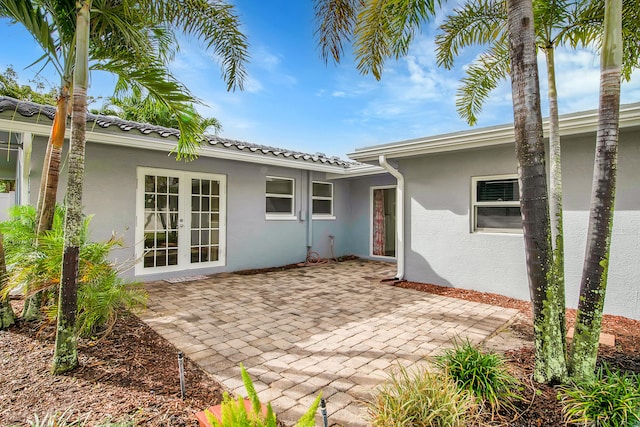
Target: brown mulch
column 130, row 375
column 133, row 374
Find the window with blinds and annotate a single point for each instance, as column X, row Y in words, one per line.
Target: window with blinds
column 496, row 204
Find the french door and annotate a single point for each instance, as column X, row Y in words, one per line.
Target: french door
column 180, row 220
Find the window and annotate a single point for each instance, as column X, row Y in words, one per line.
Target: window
column 279, row 197
column 322, row 199
column 496, row 204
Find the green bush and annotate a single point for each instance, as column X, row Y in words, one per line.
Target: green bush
column 234, row 414
column 421, row 398
column 36, row 267
column 612, row 400
column 483, row 374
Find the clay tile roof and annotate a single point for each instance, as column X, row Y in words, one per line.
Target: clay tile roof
column 30, row 109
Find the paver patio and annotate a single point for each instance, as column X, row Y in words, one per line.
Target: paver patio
column 333, row 328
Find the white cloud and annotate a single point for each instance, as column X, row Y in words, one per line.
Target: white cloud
column 338, row 94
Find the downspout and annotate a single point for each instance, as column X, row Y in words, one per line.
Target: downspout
column 24, row 169
column 309, row 215
column 399, row 214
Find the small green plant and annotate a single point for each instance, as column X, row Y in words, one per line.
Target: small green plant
column 234, row 414
column 35, row 266
column 421, row 398
column 483, row 374
column 611, row 400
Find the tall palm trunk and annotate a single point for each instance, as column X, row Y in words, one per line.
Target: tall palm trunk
column 550, row 365
column 555, row 193
column 7, row 316
column 66, row 353
column 596, row 264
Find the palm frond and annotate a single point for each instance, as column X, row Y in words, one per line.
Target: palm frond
column 164, row 89
column 385, row 29
column 481, row 78
column 336, row 21
column 475, row 23
column 34, row 19
column 213, row 23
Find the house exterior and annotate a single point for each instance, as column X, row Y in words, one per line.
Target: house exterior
column 444, row 207
column 462, row 217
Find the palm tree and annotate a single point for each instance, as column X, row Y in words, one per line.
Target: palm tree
column 593, row 285
column 139, row 107
column 135, row 41
column 384, row 29
column 65, row 357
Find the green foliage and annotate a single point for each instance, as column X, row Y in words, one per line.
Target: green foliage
column 421, row 398
column 612, row 400
column 9, row 86
column 36, row 267
column 234, row 413
column 137, row 107
column 483, row 375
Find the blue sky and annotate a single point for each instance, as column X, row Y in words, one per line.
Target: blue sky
column 293, row 100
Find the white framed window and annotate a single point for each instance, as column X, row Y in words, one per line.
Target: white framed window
column 279, row 197
column 495, row 204
column 322, row 200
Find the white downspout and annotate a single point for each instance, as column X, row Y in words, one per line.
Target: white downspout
column 24, row 165
column 399, row 214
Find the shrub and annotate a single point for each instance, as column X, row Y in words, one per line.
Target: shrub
column 36, row 267
column 612, row 399
column 420, row 398
column 234, row 414
column 483, row 374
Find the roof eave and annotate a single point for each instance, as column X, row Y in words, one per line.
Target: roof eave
column 570, row 124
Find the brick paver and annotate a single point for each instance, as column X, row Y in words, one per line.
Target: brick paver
column 333, row 328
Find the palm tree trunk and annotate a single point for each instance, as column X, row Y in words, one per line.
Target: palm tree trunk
column 7, row 316
column 550, row 364
column 51, row 165
column 555, row 193
column 584, row 350
column 66, row 353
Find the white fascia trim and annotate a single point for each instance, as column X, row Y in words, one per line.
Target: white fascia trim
column 357, row 171
column 570, row 124
column 152, row 143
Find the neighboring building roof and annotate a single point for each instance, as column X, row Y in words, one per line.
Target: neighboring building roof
column 570, row 124
column 30, row 109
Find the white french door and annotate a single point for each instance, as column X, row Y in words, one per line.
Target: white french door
column 180, row 220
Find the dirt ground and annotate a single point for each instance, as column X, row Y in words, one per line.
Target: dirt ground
column 133, row 374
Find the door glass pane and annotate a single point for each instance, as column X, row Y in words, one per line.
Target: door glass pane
column 149, row 183
column 205, row 222
column 162, row 184
column 161, row 221
column 195, row 186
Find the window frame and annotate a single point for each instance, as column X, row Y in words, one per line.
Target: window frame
column 327, row 216
column 281, row 215
column 475, row 204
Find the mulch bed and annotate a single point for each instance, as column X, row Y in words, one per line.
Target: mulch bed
column 130, row 375
column 133, row 374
